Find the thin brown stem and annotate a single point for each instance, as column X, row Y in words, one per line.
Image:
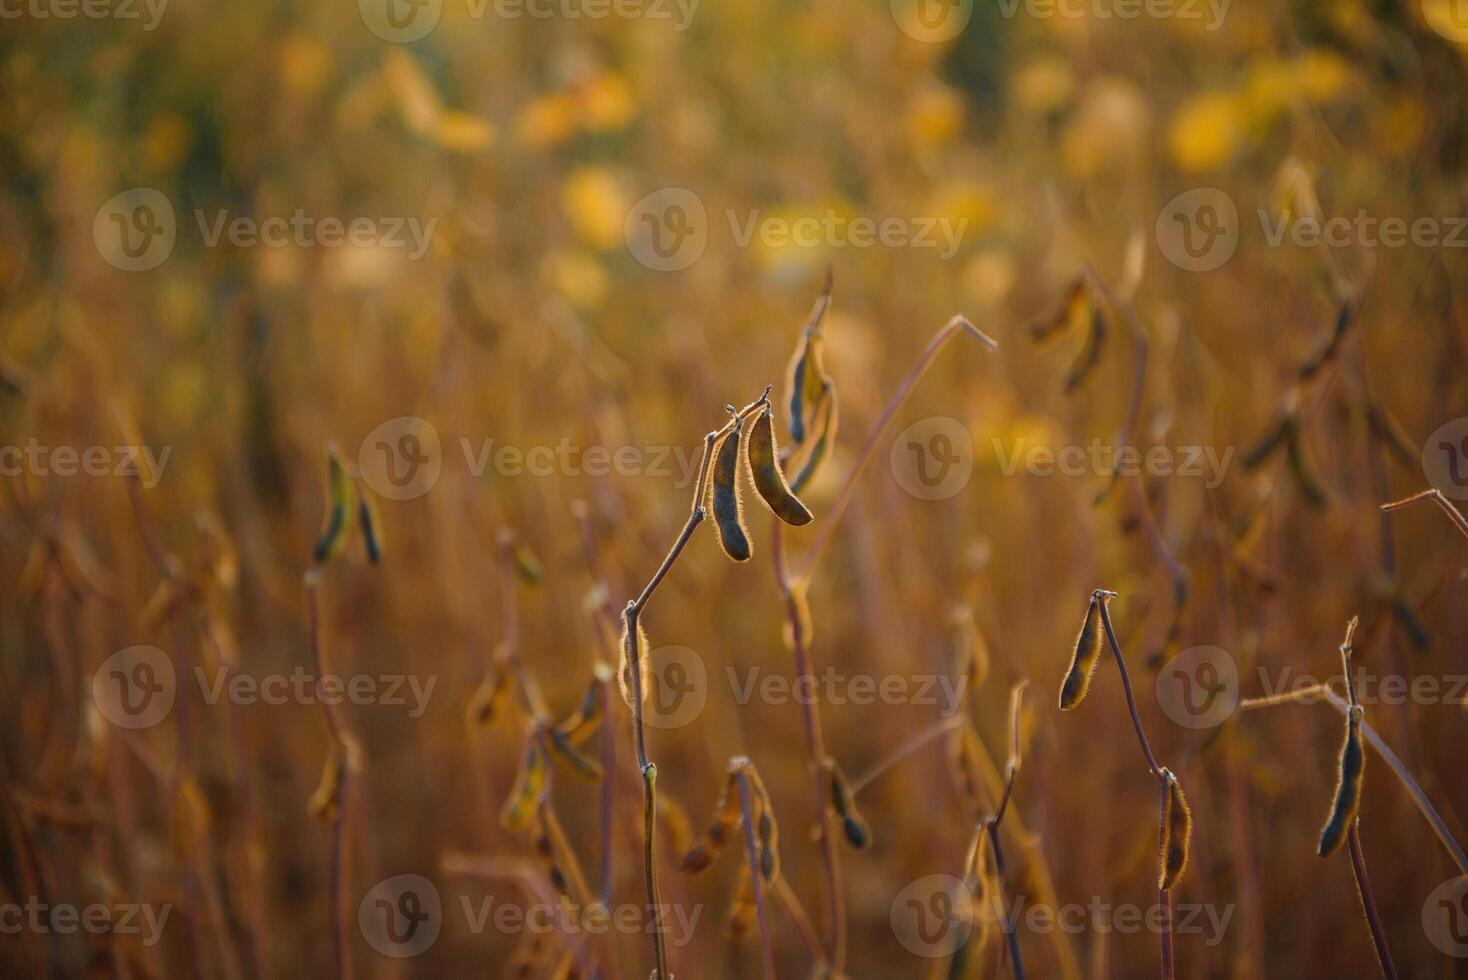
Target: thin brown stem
column 1436, row 496
column 816, row 748
column 1368, row 904
column 904, row 750
column 1126, row 683
column 797, row 914
column 848, row 488
column 337, row 868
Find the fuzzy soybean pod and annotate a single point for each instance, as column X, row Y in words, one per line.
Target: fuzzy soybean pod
column 1349, row 774
column 1083, row 661
column 630, row 647
column 728, row 508
column 1177, row 832
column 765, row 473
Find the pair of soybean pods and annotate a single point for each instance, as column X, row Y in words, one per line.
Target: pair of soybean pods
column 763, row 457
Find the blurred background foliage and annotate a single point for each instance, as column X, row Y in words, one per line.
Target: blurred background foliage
column 529, row 321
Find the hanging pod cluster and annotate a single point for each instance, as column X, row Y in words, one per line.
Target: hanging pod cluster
column 743, row 784
column 761, row 455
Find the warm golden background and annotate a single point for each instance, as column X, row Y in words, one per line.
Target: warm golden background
column 529, row 322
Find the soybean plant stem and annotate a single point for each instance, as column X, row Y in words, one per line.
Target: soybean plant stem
column 815, row 746
column 1436, row 496
column 1368, row 904
column 630, row 613
column 337, row 868
column 1164, row 895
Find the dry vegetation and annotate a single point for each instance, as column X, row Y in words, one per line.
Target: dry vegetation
column 526, row 608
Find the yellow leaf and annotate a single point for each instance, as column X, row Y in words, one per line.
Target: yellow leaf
column 596, row 207
column 1206, row 132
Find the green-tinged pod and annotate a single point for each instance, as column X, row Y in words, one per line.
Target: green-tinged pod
column 527, row 566
column 582, row 723
column 826, row 421
column 545, row 854
column 1305, row 475
column 561, row 747
column 1332, row 347
column 530, row 789
column 1072, row 310
column 631, row 647
column 805, row 380
column 764, row 469
column 1272, row 440
column 1177, row 833
column 843, row 803
column 728, row 509
column 971, row 649
column 1083, row 661
column 725, row 823
column 338, row 507
column 1090, row 354
column 493, row 691
column 1349, row 773
column 368, row 523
